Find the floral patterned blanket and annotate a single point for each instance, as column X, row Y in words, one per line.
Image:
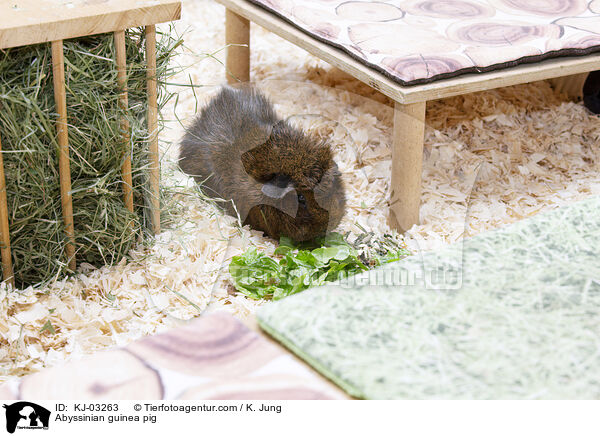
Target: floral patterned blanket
column 419, row 41
column 212, row 357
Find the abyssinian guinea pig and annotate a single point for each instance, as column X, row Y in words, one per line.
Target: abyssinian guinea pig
column 280, row 180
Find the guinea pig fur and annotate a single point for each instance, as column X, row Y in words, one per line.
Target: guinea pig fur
column 280, row 180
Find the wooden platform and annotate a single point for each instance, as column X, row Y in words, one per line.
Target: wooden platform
column 25, row 22
column 410, row 101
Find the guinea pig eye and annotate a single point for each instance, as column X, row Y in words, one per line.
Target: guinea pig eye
column 301, row 200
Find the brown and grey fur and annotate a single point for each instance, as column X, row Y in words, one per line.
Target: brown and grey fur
column 281, row 180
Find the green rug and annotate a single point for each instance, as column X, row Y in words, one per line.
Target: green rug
column 509, row 314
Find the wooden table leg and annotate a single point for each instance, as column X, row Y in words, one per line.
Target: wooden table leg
column 571, row 85
column 153, row 127
column 407, row 162
column 7, row 268
column 64, row 167
column 123, row 105
column 237, row 33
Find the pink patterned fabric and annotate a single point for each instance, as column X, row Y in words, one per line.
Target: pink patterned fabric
column 419, row 41
column 213, row 357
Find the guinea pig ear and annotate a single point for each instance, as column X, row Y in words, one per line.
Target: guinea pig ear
column 326, row 187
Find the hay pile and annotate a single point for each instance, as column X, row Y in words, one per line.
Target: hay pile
column 474, row 180
column 105, row 230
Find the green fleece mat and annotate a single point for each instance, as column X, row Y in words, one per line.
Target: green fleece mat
column 512, row 313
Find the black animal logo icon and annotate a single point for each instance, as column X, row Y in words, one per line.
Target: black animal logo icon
column 24, row 414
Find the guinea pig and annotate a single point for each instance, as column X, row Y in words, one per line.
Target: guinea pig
column 279, row 179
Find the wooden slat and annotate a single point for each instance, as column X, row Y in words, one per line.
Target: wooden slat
column 407, row 160
column 24, row 22
column 64, row 168
column 410, row 94
column 525, row 73
column 123, row 104
column 237, row 34
column 153, row 127
column 7, row 268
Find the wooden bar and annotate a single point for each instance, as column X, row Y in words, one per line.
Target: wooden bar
column 7, row 268
column 153, row 127
column 123, row 104
column 407, row 161
column 237, row 38
column 60, row 98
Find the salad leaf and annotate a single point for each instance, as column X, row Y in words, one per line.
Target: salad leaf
column 306, row 264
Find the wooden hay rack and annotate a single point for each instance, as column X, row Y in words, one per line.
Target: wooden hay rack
column 28, row 22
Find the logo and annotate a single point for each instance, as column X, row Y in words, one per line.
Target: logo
column 26, row 415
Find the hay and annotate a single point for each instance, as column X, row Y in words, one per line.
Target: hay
column 105, row 230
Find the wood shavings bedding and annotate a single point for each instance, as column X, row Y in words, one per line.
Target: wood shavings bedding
column 491, row 158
